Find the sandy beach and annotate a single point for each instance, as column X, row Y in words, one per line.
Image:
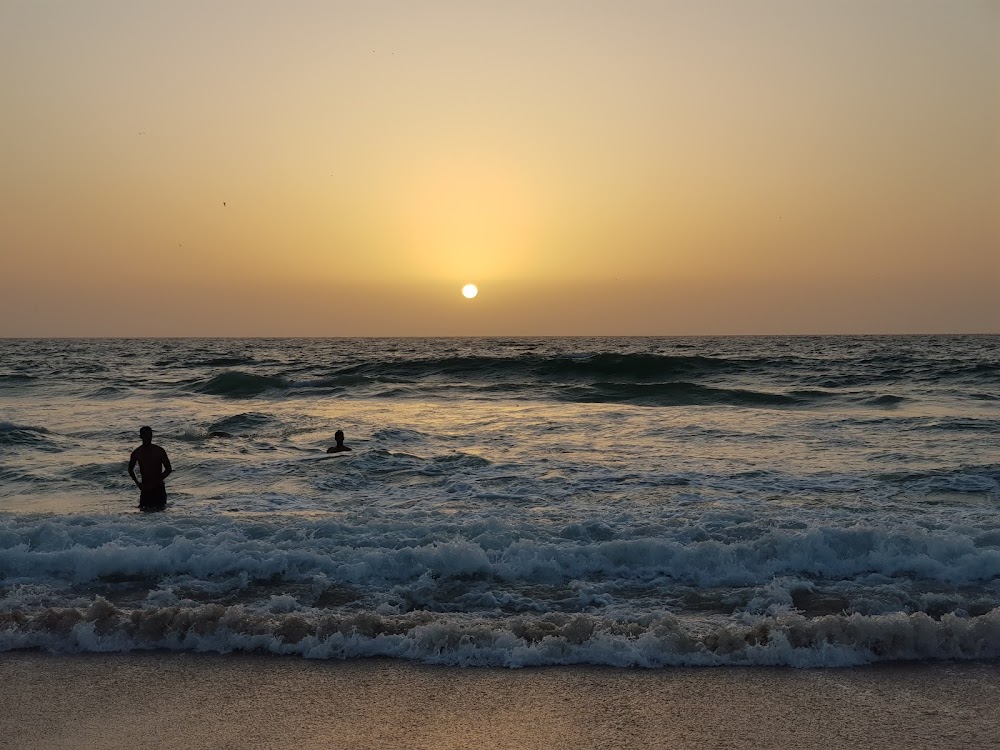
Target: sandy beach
column 166, row 700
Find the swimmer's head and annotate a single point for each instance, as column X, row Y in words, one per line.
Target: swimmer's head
column 146, row 433
column 339, row 436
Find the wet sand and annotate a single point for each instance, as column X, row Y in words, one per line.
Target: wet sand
column 191, row 701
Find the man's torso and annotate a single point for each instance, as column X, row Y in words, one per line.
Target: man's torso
column 151, row 461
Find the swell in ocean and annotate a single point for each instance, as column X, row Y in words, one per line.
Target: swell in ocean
column 798, row 371
column 642, row 379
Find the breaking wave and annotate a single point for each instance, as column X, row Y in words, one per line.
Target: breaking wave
column 657, row 641
column 481, row 593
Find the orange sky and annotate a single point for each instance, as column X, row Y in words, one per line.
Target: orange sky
column 595, row 167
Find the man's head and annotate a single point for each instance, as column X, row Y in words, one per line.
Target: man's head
column 339, row 436
column 146, row 433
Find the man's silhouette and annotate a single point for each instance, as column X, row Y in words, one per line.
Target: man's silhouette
column 154, row 467
column 339, row 447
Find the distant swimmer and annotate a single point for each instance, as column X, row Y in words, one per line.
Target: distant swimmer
column 154, row 467
column 339, row 447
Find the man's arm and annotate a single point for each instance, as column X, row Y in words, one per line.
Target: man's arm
column 166, row 466
column 131, row 468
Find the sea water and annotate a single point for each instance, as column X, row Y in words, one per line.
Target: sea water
column 803, row 501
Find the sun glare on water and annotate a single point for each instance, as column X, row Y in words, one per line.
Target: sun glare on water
column 470, row 291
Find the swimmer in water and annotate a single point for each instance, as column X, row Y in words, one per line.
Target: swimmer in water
column 339, row 447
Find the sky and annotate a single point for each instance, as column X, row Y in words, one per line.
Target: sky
column 322, row 168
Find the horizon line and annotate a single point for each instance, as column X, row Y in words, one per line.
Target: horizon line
column 504, row 336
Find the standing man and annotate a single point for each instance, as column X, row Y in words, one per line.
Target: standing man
column 154, row 467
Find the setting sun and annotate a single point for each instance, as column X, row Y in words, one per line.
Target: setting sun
column 470, row 291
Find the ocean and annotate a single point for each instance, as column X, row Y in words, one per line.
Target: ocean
column 627, row 502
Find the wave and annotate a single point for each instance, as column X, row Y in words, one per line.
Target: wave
column 628, row 367
column 223, row 361
column 374, row 551
column 526, row 369
column 639, row 366
column 482, row 592
column 399, row 435
column 236, row 384
column 14, row 435
column 989, row 371
column 107, row 475
column 956, row 424
column 23, row 476
column 15, row 378
column 639, row 379
column 11, row 427
column 970, row 479
column 751, row 373
column 380, row 461
column 660, row 640
column 674, row 394
column 832, row 363
column 886, row 400
column 241, row 423
column 337, row 382
column 109, row 391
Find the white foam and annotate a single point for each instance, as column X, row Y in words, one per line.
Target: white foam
column 665, row 640
column 378, row 550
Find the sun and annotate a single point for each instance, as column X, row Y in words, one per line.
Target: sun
column 470, row 291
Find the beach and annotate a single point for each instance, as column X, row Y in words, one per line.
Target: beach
column 182, row 700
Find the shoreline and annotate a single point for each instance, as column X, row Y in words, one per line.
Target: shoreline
column 186, row 700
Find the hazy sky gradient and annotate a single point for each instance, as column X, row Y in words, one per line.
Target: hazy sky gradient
column 595, row 167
